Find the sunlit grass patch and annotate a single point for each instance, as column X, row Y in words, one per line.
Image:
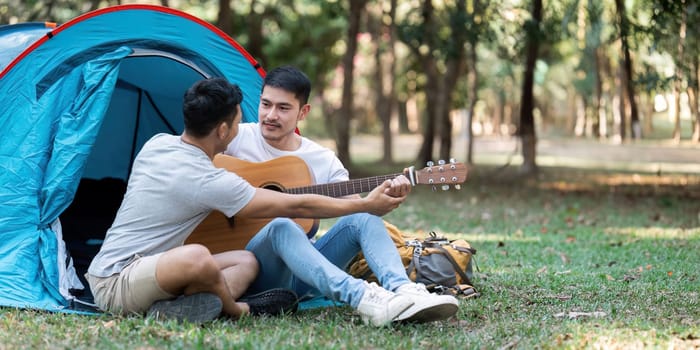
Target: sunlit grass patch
column 655, row 232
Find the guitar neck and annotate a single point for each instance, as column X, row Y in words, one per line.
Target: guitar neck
column 344, row 188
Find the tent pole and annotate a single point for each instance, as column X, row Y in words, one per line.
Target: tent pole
column 160, row 114
column 136, row 132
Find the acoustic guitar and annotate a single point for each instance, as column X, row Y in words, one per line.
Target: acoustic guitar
column 290, row 174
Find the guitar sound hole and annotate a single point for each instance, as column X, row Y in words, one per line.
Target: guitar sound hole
column 273, row 187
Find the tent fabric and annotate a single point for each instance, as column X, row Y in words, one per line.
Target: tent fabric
column 15, row 38
column 79, row 101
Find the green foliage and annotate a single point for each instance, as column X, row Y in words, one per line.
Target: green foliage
column 59, row 11
column 311, row 35
column 308, row 35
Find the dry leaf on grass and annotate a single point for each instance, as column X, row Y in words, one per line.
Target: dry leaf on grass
column 574, row 314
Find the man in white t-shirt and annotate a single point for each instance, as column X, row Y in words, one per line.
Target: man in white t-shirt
column 283, row 103
column 144, row 266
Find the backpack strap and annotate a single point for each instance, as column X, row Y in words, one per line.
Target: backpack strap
column 417, row 246
column 452, row 261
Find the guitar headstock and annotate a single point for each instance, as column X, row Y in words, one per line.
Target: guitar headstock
column 443, row 174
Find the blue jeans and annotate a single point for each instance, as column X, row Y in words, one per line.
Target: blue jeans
column 289, row 260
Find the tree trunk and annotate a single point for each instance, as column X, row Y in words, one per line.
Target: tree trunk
column 473, row 81
column 648, row 115
column 526, row 130
column 439, row 86
column 384, row 40
column 626, row 91
column 346, row 109
column 255, row 35
column 693, row 103
column 498, row 115
column 605, row 73
column 678, row 83
column 328, row 111
column 598, row 113
column 629, row 87
column 403, row 118
column 432, row 94
column 224, row 22
column 581, row 117
column 621, row 119
column 693, row 94
column 455, row 68
column 383, row 106
column 95, row 4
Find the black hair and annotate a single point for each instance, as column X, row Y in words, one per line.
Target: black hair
column 209, row 102
column 290, row 78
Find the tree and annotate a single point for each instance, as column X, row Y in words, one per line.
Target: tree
column 673, row 35
column 526, row 129
column 383, row 31
column 477, row 28
column 224, row 19
column 299, row 33
column 627, row 77
column 678, row 84
column 346, row 110
column 437, row 41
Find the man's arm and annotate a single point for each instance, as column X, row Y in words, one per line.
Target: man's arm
column 383, row 199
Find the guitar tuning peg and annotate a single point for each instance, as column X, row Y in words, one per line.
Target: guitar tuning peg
column 453, row 161
column 441, row 162
column 434, row 188
column 458, row 187
column 430, row 163
column 445, row 187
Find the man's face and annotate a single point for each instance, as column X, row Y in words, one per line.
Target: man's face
column 278, row 113
column 234, row 125
column 228, row 133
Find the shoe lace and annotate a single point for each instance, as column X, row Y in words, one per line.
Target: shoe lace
column 376, row 294
column 416, row 288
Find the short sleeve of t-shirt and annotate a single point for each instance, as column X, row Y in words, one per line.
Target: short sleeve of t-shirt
column 225, row 191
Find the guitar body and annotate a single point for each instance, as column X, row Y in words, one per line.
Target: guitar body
column 290, row 174
column 219, row 233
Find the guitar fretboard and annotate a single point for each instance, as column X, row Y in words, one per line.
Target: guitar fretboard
column 340, row 189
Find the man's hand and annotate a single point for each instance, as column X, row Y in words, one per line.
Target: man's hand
column 400, row 187
column 387, row 196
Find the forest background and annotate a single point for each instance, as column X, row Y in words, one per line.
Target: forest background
column 614, row 71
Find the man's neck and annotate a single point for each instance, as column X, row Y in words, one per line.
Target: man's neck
column 290, row 143
column 200, row 143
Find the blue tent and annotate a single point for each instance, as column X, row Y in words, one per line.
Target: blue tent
column 78, row 102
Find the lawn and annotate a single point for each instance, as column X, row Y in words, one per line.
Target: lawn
column 575, row 259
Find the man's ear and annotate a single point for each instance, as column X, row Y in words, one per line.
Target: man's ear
column 222, row 130
column 304, row 112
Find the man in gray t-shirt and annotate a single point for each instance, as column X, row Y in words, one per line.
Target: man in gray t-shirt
column 144, row 265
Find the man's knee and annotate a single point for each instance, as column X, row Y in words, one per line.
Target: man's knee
column 284, row 228
column 249, row 262
column 197, row 260
column 361, row 221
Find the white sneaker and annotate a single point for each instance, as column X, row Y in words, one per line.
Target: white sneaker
column 427, row 307
column 379, row 306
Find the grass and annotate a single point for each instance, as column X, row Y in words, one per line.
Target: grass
column 573, row 260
